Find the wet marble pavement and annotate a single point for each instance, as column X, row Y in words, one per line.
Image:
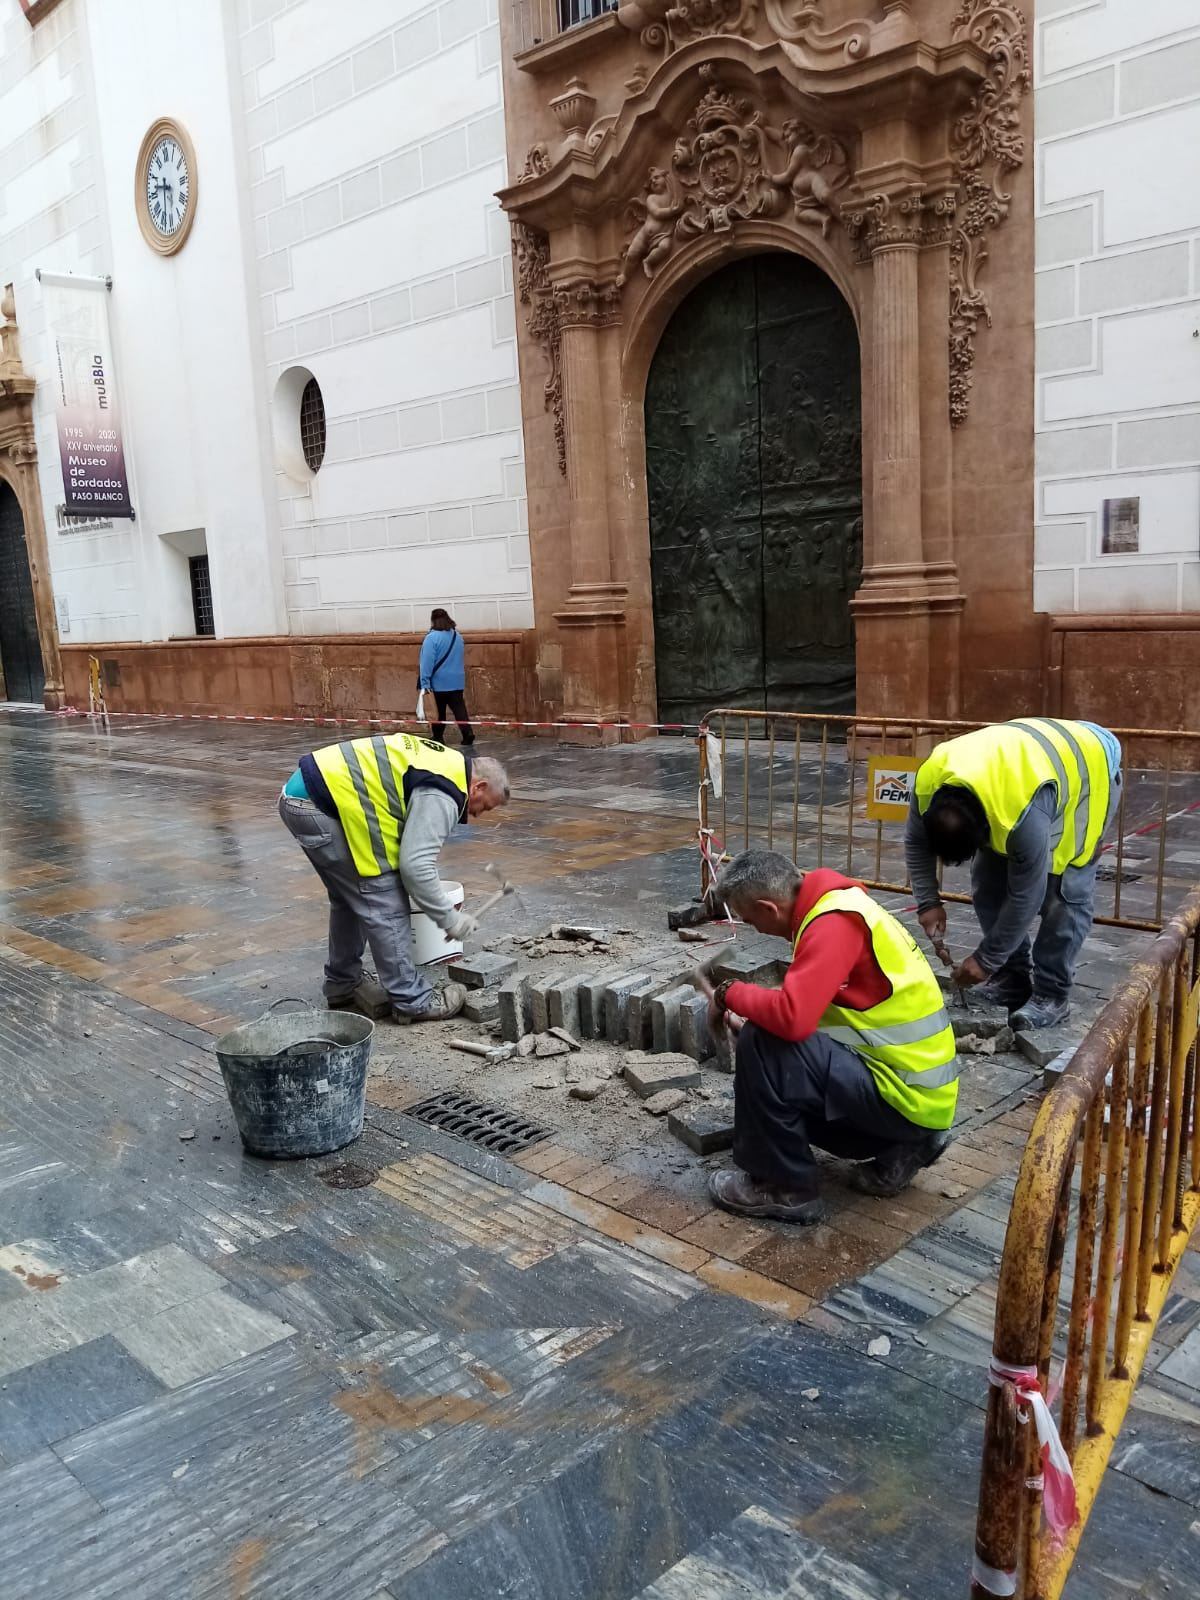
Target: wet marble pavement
column 224, row 1377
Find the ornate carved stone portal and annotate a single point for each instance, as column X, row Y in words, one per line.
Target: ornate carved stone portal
column 672, row 137
column 18, row 473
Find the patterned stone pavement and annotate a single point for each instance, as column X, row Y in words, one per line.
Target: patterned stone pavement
column 474, row 1377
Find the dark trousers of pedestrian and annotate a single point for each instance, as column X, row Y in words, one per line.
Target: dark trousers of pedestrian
column 789, row 1097
column 1048, row 962
column 452, row 700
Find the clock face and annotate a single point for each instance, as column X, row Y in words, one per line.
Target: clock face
column 168, row 186
column 165, row 187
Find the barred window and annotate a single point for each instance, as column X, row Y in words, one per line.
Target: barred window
column 202, row 606
column 312, row 425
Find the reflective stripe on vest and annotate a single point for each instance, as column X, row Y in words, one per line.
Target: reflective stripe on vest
column 1006, row 764
column 906, row 1040
column 366, row 782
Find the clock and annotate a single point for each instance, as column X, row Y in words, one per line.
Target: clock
column 165, row 186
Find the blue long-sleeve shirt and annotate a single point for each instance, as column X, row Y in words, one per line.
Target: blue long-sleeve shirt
column 451, row 673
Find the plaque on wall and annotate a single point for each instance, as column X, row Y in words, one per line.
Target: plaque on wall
column 1121, row 535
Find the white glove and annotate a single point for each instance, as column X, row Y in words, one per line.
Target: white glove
column 461, row 925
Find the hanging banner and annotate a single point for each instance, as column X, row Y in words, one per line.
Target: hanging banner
column 90, row 447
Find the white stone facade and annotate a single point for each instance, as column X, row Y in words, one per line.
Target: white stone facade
column 1117, row 123
column 376, row 136
column 347, row 156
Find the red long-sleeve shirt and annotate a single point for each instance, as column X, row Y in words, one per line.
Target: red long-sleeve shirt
column 833, row 961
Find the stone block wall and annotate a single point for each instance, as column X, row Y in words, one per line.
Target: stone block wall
column 384, row 270
column 1117, row 122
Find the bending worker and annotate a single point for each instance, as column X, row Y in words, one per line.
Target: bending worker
column 854, row 1054
column 371, row 815
column 1027, row 803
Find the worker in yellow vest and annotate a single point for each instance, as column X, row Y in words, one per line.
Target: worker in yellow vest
column 1028, row 804
column 854, row 1054
column 371, row 815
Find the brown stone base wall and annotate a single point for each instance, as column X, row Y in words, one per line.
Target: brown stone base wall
column 354, row 675
column 1141, row 671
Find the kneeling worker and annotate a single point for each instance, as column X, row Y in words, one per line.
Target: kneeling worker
column 854, row 1054
column 371, row 815
column 1028, row 804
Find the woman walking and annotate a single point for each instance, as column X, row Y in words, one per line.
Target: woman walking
column 443, row 672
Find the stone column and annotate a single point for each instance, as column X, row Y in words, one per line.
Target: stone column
column 18, row 464
column 592, row 620
column 900, row 592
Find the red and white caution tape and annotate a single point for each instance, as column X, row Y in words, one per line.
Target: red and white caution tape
column 1058, row 1481
column 993, row 1580
column 379, row 721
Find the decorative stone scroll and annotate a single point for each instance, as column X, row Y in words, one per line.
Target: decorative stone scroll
column 699, row 19
column 800, row 22
column 720, row 173
column 986, row 145
column 531, row 251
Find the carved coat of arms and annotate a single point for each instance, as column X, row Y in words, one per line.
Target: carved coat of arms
column 721, row 173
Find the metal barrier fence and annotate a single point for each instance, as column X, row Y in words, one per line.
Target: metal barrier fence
column 797, row 781
column 1117, row 1234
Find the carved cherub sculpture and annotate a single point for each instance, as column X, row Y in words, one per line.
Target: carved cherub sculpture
column 660, row 210
column 816, row 170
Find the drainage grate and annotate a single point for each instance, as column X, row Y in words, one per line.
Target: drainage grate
column 489, row 1126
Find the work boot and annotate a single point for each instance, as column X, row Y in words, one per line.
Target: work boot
column 896, row 1168
column 1003, row 990
column 737, row 1191
column 443, row 1004
column 1042, row 1011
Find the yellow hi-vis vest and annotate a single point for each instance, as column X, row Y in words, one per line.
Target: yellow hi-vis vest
column 1006, row 764
column 369, row 781
column 906, row 1041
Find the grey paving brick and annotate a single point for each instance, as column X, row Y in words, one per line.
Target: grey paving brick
column 193, row 1340
column 665, row 1025
column 65, row 1393
column 485, row 970
column 516, row 1008
column 28, row 1333
column 704, row 1126
column 695, row 1039
column 539, row 999
column 648, row 1075
column 134, row 1291
column 564, row 1005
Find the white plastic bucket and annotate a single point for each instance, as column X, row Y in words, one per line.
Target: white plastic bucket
column 432, row 947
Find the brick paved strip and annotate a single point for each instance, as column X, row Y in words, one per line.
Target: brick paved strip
column 111, row 977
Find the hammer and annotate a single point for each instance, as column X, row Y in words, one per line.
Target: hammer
column 494, row 899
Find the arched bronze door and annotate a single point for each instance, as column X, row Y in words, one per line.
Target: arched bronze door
column 20, row 647
column 754, row 468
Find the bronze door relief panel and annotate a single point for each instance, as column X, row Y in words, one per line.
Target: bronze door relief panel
column 754, row 475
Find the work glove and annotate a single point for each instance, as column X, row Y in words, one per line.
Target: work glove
column 461, row 925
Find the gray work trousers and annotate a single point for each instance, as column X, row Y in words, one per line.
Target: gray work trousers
column 1068, row 911
column 362, row 911
column 1066, row 917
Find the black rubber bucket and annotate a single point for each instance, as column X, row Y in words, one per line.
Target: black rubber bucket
column 297, row 1082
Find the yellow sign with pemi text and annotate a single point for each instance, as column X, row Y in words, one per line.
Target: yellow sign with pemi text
column 889, row 787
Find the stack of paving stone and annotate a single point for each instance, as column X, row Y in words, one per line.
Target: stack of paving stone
column 651, row 1005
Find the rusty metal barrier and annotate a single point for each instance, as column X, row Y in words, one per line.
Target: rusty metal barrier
column 1131, row 1099
column 797, row 781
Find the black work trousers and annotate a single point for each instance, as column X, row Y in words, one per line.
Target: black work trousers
column 788, row 1097
column 456, row 702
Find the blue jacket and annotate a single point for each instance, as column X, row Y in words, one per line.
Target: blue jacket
column 451, row 674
